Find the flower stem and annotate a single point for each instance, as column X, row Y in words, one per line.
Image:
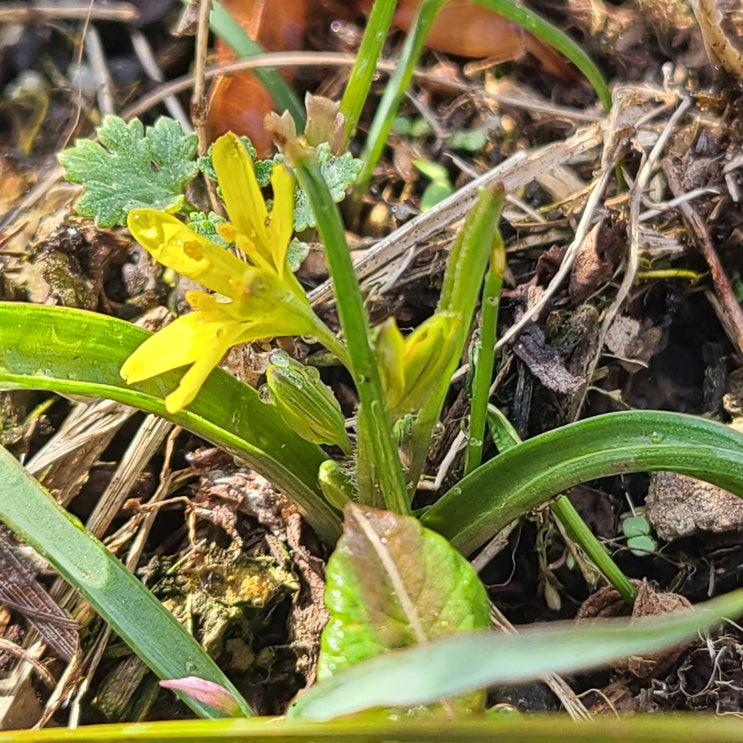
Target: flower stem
column 483, row 366
column 383, row 481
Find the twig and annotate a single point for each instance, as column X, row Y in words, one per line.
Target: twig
column 731, row 310
column 147, row 59
column 40, row 12
column 199, row 103
column 97, row 59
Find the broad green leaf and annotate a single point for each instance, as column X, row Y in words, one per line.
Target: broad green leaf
column 133, row 612
column 423, row 674
column 131, row 168
column 536, row 470
column 74, row 352
column 666, row 728
column 393, row 584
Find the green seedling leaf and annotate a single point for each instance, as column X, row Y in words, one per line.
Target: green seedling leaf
column 122, row 600
column 639, row 535
column 424, row 674
column 131, row 168
column 206, row 225
column 440, row 187
column 393, row 584
column 472, row 140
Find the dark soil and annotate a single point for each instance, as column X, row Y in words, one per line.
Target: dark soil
column 674, row 344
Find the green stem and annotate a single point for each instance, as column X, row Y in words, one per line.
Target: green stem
column 225, row 26
column 579, row 531
column 375, row 429
column 561, row 42
column 362, row 73
column 483, row 371
column 393, row 95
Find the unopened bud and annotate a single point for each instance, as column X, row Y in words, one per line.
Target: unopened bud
column 336, row 483
column 304, row 402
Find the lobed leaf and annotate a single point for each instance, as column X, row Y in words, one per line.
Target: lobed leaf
column 131, row 167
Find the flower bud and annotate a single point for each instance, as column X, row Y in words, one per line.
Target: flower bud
column 336, row 483
column 304, row 402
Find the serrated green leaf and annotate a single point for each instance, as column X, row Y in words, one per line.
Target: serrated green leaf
column 393, row 584
column 338, row 172
column 131, row 168
column 206, row 225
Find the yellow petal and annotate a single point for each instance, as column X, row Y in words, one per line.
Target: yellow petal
column 199, row 338
column 177, row 246
column 242, row 196
column 281, row 218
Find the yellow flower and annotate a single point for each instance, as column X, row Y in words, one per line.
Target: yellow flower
column 257, row 299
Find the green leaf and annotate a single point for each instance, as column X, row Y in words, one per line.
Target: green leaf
column 74, row 352
column 536, row 470
column 131, row 168
column 471, row 140
column 393, row 584
column 339, row 173
column 455, row 665
column 689, row 727
column 133, row 612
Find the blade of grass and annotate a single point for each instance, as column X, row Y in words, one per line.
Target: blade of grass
column 485, row 362
column 377, row 453
column 133, row 612
column 431, row 671
column 464, row 271
column 531, row 473
column 364, row 68
column 666, row 728
column 393, row 95
column 558, row 40
column 74, row 352
column 570, row 518
column 225, row 26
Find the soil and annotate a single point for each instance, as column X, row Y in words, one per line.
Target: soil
column 647, row 318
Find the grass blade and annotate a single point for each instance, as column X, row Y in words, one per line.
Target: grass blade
column 74, row 352
column 133, row 612
column 463, row 663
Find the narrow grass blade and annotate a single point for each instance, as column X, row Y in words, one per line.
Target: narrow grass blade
column 133, row 612
column 393, row 94
column 538, row 469
column 376, row 449
column 463, row 663
column 558, row 40
column 665, row 728
column 364, row 69
column 74, row 352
